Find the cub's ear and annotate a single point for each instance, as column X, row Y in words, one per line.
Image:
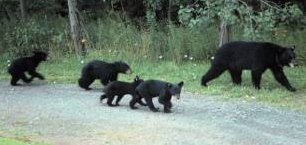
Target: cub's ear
column 136, row 78
column 293, row 47
column 181, row 84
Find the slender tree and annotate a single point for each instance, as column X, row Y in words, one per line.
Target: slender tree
column 23, row 9
column 76, row 31
column 223, row 34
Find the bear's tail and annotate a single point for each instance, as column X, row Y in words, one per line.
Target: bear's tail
column 102, row 97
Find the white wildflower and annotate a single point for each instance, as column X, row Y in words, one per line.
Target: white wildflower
column 160, row 57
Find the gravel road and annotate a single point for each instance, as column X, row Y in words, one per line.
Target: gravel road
column 66, row 115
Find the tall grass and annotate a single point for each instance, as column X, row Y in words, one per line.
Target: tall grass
column 169, row 42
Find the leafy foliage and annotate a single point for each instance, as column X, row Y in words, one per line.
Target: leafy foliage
column 255, row 23
column 194, row 34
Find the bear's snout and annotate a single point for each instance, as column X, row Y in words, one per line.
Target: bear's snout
column 293, row 63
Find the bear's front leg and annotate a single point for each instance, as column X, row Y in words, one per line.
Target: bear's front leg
column 133, row 102
column 279, row 75
column 142, row 103
column 33, row 73
column 26, row 79
column 167, row 106
column 110, row 100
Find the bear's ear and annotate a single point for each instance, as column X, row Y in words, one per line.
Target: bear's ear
column 137, row 78
column 293, row 47
column 181, row 84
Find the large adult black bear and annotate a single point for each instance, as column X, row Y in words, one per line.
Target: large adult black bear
column 105, row 72
column 26, row 64
column 156, row 88
column 254, row 56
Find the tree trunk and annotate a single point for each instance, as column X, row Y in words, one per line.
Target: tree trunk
column 75, row 26
column 23, row 9
column 224, row 34
column 8, row 13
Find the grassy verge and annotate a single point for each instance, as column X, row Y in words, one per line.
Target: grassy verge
column 67, row 70
column 9, row 141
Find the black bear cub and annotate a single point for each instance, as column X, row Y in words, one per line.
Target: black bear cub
column 105, row 72
column 156, row 88
column 254, row 56
column 20, row 66
column 119, row 89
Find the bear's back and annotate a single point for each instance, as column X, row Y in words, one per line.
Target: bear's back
column 151, row 87
column 20, row 65
column 245, row 54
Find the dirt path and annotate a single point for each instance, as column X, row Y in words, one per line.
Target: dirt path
column 67, row 115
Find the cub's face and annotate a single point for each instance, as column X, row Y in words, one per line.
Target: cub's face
column 176, row 89
column 288, row 57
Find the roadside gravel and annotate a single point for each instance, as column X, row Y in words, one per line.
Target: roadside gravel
column 64, row 114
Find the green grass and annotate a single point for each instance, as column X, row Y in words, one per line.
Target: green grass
column 9, row 141
column 67, row 70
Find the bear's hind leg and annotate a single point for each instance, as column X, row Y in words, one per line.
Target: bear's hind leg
column 256, row 78
column 212, row 73
column 118, row 100
column 150, row 104
column 14, row 81
column 236, row 76
column 103, row 97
